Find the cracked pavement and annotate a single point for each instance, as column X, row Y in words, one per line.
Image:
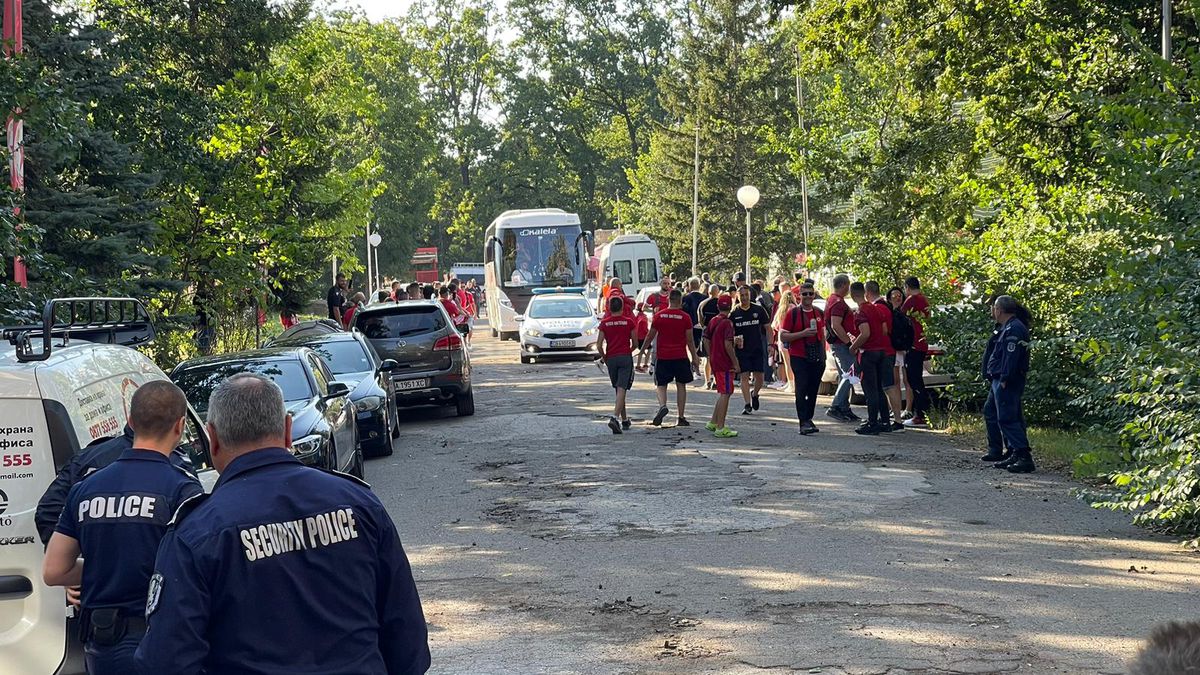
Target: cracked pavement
column 542, row 543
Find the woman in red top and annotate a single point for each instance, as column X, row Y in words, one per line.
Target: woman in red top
column 803, row 331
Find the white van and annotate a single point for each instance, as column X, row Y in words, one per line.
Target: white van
column 55, row 399
column 635, row 260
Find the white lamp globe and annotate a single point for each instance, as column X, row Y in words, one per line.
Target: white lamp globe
column 747, row 196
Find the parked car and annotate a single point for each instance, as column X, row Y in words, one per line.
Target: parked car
column 307, row 329
column 558, row 324
column 354, row 362
column 432, row 365
column 324, row 433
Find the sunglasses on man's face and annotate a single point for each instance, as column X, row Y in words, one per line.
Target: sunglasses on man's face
column 808, row 294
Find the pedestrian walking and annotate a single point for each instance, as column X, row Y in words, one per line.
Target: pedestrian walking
column 750, row 325
column 718, row 343
column 641, row 324
column 284, row 568
column 116, row 519
column 615, row 347
column 784, row 376
column 691, row 305
column 671, row 335
column 803, row 332
column 916, row 308
column 707, row 310
column 868, row 346
column 1006, row 365
column 839, row 320
column 902, row 340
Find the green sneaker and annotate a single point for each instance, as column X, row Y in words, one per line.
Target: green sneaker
column 710, row 426
column 725, row 432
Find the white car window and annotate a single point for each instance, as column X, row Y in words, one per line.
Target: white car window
column 559, row 308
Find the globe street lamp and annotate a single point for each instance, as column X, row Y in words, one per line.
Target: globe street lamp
column 373, row 252
column 747, row 196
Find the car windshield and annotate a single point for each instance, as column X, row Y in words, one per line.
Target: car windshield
column 343, row 356
column 559, row 308
column 198, row 382
column 400, row 322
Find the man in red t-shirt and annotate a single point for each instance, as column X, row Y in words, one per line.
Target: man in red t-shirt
column 722, row 358
column 615, row 346
column 839, row 322
column 676, row 357
column 887, row 378
column 868, row 348
column 803, row 331
column 916, row 307
column 661, row 299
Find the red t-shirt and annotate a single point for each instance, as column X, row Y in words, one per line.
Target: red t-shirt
column 835, row 305
column 618, row 335
column 658, row 301
column 874, row 318
column 348, row 316
column 674, row 329
column 626, row 302
column 643, row 326
column 798, row 319
column 718, row 332
column 916, row 307
column 451, row 309
column 885, row 313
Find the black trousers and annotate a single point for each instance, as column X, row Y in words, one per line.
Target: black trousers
column 807, row 375
column 914, row 371
column 871, row 364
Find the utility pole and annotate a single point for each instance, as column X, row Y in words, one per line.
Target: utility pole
column 803, row 153
column 1166, row 30
column 696, row 200
column 13, row 35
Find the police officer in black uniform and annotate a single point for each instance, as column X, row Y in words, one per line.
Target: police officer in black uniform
column 1006, row 364
column 284, row 568
column 116, row 518
column 92, row 458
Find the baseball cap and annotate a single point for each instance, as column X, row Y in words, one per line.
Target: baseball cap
column 724, row 301
column 740, row 276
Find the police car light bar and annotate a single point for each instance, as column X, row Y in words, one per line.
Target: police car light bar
column 120, row 321
column 559, row 289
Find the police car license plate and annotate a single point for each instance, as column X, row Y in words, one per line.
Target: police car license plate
column 404, row 385
column 562, row 343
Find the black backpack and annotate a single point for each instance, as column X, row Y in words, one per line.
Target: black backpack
column 903, row 334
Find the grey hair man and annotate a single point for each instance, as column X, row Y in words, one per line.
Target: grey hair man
column 263, row 546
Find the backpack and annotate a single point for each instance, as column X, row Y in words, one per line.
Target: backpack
column 903, row 333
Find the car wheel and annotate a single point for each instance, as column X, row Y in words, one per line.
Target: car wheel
column 465, row 404
column 526, row 359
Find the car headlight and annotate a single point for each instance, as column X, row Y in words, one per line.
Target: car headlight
column 533, row 332
column 307, row 445
column 590, row 331
column 369, row 403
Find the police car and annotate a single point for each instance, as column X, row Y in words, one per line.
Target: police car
column 64, row 384
column 558, row 322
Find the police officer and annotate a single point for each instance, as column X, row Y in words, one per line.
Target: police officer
column 284, row 568
column 116, row 518
column 1006, row 365
column 91, row 459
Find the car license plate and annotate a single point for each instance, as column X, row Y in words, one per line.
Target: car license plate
column 404, row 385
column 562, row 343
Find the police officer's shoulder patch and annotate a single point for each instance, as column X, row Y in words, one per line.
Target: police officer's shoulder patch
column 154, row 593
column 1012, row 346
column 187, row 507
column 342, row 474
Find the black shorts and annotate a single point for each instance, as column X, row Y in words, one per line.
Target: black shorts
column 752, row 362
column 672, row 370
column 620, row 371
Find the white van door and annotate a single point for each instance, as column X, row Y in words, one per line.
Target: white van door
column 32, row 615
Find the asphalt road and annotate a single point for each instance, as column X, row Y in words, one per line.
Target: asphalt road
column 542, row 543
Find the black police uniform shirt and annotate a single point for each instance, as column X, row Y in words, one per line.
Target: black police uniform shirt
column 750, row 323
column 1009, row 357
column 87, row 461
column 119, row 515
column 283, row 569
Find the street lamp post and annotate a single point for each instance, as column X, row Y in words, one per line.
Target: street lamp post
column 747, row 196
column 373, row 241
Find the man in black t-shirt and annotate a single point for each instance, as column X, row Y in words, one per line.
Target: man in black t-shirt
column 336, row 298
column 750, row 325
column 691, row 305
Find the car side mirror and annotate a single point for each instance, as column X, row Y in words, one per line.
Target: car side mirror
column 388, row 366
column 337, row 389
column 519, row 318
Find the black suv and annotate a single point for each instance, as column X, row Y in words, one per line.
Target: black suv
column 432, row 365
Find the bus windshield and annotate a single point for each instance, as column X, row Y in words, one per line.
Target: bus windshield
column 541, row 256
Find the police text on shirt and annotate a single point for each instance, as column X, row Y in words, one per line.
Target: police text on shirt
column 264, row 541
